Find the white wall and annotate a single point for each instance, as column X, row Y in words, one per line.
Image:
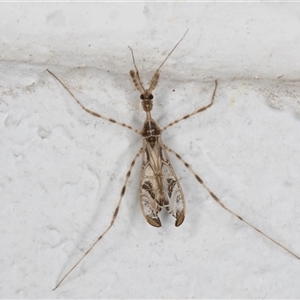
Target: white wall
column 62, row 169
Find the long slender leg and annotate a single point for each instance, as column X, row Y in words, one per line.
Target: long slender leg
column 196, row 111
column 111, row 222
column 91, row 112
column 223, row 205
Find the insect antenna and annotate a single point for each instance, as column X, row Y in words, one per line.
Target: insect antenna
column 135, row 75
column 172, row 50
column 155, row 77
column 154, row 80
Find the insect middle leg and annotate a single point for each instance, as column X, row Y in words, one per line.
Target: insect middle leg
column 90, row 111
column 198, row 110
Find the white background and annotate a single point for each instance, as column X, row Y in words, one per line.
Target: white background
column 62, row 169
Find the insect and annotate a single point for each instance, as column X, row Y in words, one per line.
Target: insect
column 159, row 186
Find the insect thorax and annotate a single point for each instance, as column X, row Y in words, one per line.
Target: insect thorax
column 150, row 131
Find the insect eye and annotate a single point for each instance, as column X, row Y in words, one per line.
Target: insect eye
column 142, row 97
column 150, row 96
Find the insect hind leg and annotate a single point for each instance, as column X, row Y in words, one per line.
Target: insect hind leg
column 224, row 206
column 113, row 219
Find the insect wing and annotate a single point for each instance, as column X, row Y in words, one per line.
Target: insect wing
column 151, row 197
column 160, row 186
column 173, row 196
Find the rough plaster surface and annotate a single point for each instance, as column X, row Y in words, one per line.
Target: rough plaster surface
column 62, row 169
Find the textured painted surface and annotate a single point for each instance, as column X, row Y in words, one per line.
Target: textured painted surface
column 62, row 170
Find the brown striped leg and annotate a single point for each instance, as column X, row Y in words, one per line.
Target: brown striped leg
column 223, row 205
column 91, row 112
column 196, row 111
column 111, row 222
